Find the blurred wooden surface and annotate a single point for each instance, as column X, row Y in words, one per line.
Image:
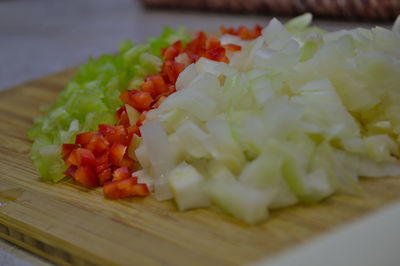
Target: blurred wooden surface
column 66, row 223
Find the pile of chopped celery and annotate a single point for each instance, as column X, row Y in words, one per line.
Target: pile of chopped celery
column 296, row 115
column 92, row 97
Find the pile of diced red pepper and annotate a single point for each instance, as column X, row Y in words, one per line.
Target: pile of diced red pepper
column 243, row 32
column 101, row 158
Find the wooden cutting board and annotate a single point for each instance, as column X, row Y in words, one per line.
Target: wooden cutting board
column 68, row 224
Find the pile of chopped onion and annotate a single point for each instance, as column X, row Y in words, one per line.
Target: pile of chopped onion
column 297, row 115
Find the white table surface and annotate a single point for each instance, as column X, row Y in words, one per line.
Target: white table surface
column 43, row 36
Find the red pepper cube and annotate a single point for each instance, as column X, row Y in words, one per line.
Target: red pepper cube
column 110, row 190
column 172, row 69
column 178, row 67
column 243, row 32
column 141, row 118
column 85, row 157
column 198, row 43
column 66, row 150
column 159, row 101
column 71, row 171
column 159, row 84
column 232, row 47
column 131, row 131
column 123, row 120
column 72, row 158
column 257, row 30
column 140, row 100
column 217, row 54
column 84, row 138
column 101, row 167
column 127, row 162
column 170, row 53
column 139, row 190
column 124, row 188
column 121, row 173
column 85, row 176
column 213, row 42
column 113, row 134
column 102, row 162
column 223, row 30
column 148, row 86
column 103, row 158
column 124, row 97
column 104, row 176
column 98, row 144
column 178, row 46
column 119, row 112
column 117, row 152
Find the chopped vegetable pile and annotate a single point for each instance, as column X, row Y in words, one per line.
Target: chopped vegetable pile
column 252, row 120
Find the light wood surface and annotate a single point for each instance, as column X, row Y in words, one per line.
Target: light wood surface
column 68, row 224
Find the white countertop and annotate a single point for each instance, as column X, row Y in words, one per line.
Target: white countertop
column 43, row 36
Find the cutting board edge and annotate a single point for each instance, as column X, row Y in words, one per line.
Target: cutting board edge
column 40, row 245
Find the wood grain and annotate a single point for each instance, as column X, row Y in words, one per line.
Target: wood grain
column 68, row 224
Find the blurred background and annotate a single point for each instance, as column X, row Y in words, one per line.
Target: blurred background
column 43, row 36
column 38, row 37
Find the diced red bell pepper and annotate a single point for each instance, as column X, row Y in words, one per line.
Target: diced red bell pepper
column 229, row 30
column 243, row 32
column 178, row 46
column 121, row 173
column 71, row 171
column 159, row 101
column 125, row 188
column 172, row 69
column 102, row 162
column 212, row 42
column 104, row 176
column 72, row 158
column 66, row 150
column 85, row 157
column 119, row 112
column 101, row 167
column 113, row 134
column 170, row 53
column 148, row 86
column 123, row 120
column 131, row 131
column 197, row 44
column 117, row 152
column 159, row 84
column 98, row 144
column 85, row 176
column 124, row 97
column 232, row 47
column 140, row 120
column 127, row 162
column 84, row 138
column 138, row 190
column 217, row 54
column 140, row 100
